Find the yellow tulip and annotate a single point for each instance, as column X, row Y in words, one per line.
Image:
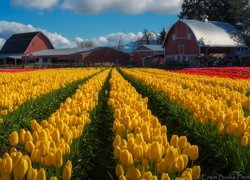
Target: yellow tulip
column 53, row 178
column 7, row 164
column 67, row 149
column 242, row 127
column 182, row 142
column 196, row 170
column 174, row 141
column 133, row 172
column 154, row 178
column 59, row 158
column 119, row 170
column 1, row 120
column 147, row 175
column 193, row 152
column 117, row 152
column 145, row 164
column 126, row 157
column 165, row 176
column 32, row 173
column 117, row 114
column 185, row 160
column 34, row 125
column 67, row 171
column 29, row 146
column 139, row 152
column 179, row 164
column 21, row 168
column 220, row 128
column 41, row 175
column 44, row 147
column 160, row 168
column 244, row 141
column 16, row 158
column 155, row 152
column 5, row 177
column 14, row 139
column 164, row 129
column 187, row 174
column 116, row 125
column 21, row 136
column 170, row 156
column 49, row 160
column 34, row 155
column 117, row 141
column 123, row 144
column 132, row 149
column 121, row 130
column 28, row 137
column 122, row 177
column 27, row 158
column 35, row 136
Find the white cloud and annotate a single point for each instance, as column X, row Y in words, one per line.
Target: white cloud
column 59, row 41
column 9, row 28
column 37, row 4
column 128, row 6
column 113, row 39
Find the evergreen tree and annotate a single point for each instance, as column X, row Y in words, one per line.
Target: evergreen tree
column 162, row 36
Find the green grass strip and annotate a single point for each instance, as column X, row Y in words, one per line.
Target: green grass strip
column 39, row 109
column 219, row 154
column 94, row 159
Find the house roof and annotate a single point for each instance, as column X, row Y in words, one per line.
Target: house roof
column 64, row 51
column 152, row 47
column 18, row 43
column 214, row 33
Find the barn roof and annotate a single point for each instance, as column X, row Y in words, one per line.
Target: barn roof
column 18, row 43
column 152, row 47
column 64, row 51
column 214, row 33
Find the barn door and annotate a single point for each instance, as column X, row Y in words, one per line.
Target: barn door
column 181, row 53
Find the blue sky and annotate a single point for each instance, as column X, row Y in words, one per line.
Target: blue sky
column 88, row 19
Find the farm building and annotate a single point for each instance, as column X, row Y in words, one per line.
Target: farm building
column 148, row 55
column 187, row 39
column 77, row 57
column 21, row 44
column 246, row 58
column 239, row 56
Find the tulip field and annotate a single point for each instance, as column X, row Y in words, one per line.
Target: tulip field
column 125, row 123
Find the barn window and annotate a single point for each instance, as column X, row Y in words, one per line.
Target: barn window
column 189, row 36
column 174, row 37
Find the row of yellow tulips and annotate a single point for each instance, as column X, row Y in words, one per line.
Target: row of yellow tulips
column 50, row 140
column 220, row 101
column 16, row 88
column 19, row 166
column 141, row 145
column 241, row 85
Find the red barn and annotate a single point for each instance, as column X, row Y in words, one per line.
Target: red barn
column 24, row 43
column 79, row 56
column 148, row 55
column 107, row 55
column 191, row 38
